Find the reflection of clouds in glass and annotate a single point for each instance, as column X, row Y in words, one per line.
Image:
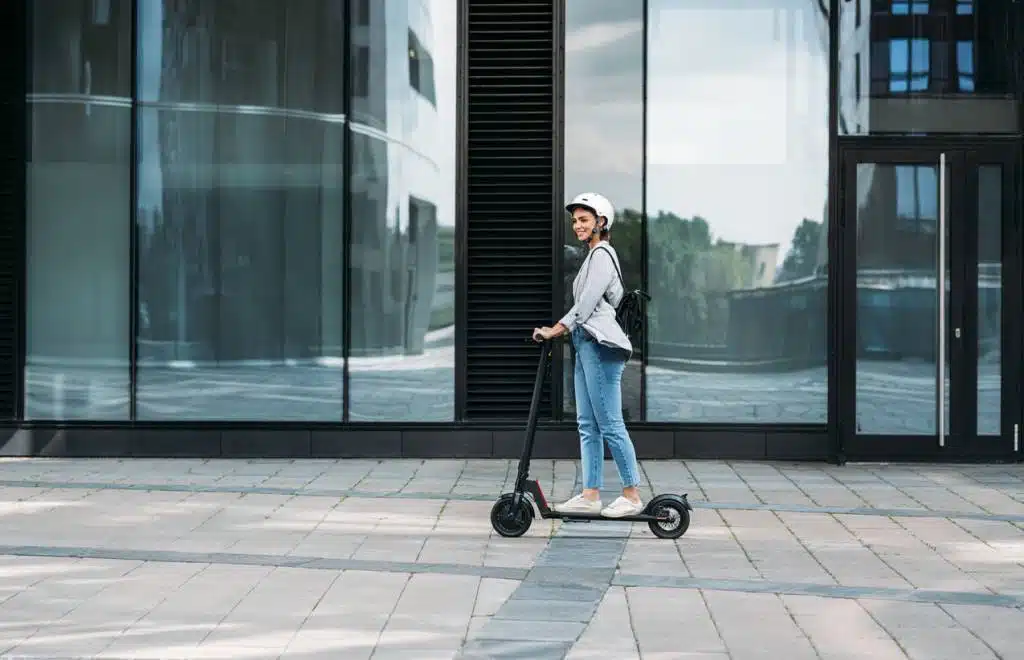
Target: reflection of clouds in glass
column 596, row 36
column 737, row 115
column 604, row 99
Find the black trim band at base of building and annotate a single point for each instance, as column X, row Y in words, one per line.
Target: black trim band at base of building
column 434, row 441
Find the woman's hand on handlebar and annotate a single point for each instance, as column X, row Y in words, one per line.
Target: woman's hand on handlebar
column 547, row 334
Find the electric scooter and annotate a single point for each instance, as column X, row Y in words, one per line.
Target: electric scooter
column 667, row 515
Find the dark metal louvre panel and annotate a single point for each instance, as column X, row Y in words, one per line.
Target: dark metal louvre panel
column 510, row 179
column 13, row 78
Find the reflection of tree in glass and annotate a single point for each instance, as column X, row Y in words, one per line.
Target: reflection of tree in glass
column 802, row 259
column 690, row 272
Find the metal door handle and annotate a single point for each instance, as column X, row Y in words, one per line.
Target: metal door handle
column 956, row 333
column 941, row 281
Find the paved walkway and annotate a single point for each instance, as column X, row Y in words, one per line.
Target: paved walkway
column 396, row 559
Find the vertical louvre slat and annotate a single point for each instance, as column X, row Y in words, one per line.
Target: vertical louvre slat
column 510, row 182
column 12, row 198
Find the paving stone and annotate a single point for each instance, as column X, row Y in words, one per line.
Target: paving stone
column 491, row 595
column 751, row 625
column 859, row 636
column 610, row 633
column 544, row 631
column 325, row 554
column 486, row 649
column 683, row 627
column 547, row 610
column 999, row 628
column 557, row 593
column 581, row 577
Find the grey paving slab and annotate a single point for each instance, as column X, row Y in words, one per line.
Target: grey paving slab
column 486, row 649
column 547, row 610
column 398, row 490
column 378, row 559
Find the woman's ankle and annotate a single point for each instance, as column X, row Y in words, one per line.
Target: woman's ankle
column 591, row 494
column 632, row 494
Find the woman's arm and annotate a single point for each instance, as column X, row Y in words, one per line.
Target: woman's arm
column 600, row 273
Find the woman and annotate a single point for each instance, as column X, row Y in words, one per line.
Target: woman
column 602, row 349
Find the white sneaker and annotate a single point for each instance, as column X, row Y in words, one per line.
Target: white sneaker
column 622, row 507
column 579, row 504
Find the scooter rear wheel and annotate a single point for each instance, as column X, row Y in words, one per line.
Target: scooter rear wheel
column 677, row 519
column 509, row 520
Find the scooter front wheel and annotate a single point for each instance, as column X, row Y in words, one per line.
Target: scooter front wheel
column 510, row 520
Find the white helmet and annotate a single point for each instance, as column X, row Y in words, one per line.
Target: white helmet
column 599, row 204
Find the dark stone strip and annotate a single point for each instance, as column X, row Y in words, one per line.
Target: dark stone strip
column 289, row 561
column 488, row 497
column 558, row 598
column 552, row 591
column 825, row 590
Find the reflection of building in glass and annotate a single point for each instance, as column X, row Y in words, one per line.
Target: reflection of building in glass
column 919, row 66
column 240, row 182
column 395, row 180
column 950, row 56
column 241, row 192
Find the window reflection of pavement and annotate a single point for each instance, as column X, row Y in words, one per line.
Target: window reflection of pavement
column 893, row 397
column 413, row 388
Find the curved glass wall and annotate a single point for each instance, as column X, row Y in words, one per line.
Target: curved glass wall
column 78, row 302
column 257, row 233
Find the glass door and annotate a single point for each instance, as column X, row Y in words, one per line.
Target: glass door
column 926, row 271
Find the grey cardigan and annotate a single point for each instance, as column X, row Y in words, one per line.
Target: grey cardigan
column 596, row 292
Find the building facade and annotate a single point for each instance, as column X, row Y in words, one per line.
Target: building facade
column 327, row 228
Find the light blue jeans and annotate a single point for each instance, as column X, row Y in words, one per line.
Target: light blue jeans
column 598, row 383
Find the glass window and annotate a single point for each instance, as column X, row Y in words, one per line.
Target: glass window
column 917, row 207
column 240, row 209
column 78, row 211
column 909, row 64
column 604, row 142
column 737, row 182
column 965, row 65
column 402, row 359
column 935, row 67
column 914, row 7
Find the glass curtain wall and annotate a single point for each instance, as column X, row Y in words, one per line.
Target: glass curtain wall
column 78, row 280
column 292, row 180
column 724, row 174
column 604, row 152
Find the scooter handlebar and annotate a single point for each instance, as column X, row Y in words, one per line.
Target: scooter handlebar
column 537, row 339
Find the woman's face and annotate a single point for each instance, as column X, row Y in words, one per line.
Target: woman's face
column 583, row 223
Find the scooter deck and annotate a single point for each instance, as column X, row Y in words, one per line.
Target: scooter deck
column 590, row 517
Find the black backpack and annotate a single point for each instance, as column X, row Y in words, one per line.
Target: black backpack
column 630, row 313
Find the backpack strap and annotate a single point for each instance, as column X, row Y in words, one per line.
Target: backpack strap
column 614, row 263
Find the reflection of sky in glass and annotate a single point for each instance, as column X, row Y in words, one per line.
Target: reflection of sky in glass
column 909, row 65
column 914, row 7
column 737, row 115
column 917, row 192
column 965, row 65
